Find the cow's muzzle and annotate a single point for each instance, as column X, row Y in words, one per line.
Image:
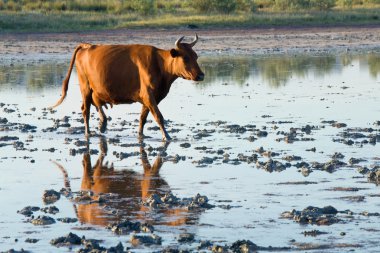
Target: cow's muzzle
column 200, row 77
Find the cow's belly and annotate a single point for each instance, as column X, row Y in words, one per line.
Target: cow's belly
column 105, row 96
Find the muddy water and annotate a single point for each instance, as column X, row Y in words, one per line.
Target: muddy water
column 306, row 106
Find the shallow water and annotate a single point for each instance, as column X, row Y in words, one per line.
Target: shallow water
column 273, row 93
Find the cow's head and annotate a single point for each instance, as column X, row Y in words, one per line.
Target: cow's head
column 185, row 60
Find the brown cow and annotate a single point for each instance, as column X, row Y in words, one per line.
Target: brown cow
column 124, row 74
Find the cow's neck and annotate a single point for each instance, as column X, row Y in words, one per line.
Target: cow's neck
column 167, row 64
column 167, row 68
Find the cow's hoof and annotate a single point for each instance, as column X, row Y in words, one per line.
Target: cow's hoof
column 103, row 127
column 141, row 136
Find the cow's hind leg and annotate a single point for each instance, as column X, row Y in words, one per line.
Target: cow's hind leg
column 86, row 114
column 87, row 101
column 86, row 97
column 143, row 116
column 103, row 120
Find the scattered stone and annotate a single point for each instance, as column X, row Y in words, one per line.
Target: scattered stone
column 50, row 196
column 219, row 249
column 170, row 201
column 353, row 160
column 346, row 189
column 205, row 245
column 31, row 240
column 186, row 238
column 312, row 246
column 16, row 251
column 338, row 125
column 92, row 246
column 244, row 246
column 50, row 209
column 151, row 239
column 42, row 220
column 373, row 175
column 291, row 158
column 28, row 210
column 330, row 166
column 205, row 160
column 68, row 240
column 125, row 227
column 185, row 145
column 365, row 213
column 354, row 198
column 80, row 143
column 272, row 165
column 297, row 183
column 262, row 133
column 313, row 233
column 313, row 215
column 9, row 138
column 67, row 220
column 337, row 156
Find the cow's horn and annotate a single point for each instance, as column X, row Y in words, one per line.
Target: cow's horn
column 179, row 41
column 194, row 41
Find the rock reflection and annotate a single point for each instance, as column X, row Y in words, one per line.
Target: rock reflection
column 115, row 194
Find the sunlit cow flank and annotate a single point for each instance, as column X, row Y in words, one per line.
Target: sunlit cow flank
column 124, row 74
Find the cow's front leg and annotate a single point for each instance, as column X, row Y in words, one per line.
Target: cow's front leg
column 151, row 103
column 143, row 116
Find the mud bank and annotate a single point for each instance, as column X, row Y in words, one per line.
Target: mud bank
column 314, row 40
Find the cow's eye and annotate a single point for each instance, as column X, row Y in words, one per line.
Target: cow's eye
column 186, row 59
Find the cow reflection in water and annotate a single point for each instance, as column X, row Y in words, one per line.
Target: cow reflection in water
column 130, row 188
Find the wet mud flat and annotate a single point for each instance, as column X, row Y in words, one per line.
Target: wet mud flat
column 276, row 153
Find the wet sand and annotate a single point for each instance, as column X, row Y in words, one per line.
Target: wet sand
column 218, row 41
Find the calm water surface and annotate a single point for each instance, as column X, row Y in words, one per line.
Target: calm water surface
column 266, row 91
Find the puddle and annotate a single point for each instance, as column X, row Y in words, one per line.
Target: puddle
column 261, row 136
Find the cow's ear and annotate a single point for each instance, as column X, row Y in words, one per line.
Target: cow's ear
column 174, row 53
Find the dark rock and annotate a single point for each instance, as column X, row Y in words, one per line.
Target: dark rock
column 291, row 158
column 50, row 196
column 313, row 215
column 8, row 138
column 219, row 249
column 271, row 165
column 68, row 240
column 313, row 233
column 28, row 210
column 338, row 125
column 67, row 220
column 243, row 246
column 42, row 220
column 151, row 239
column 31, row 240
column 337, row 156
column 353, row 160
column 186, row 237
column 185, row 145
column 126, row 227
column 205, row 245
column 50, row 209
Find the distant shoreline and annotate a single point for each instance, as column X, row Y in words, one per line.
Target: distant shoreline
column 238, row 41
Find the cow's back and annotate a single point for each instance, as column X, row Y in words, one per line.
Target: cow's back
column 114, row 71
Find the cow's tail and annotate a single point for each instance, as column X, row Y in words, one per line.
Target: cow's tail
column 65, row 83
